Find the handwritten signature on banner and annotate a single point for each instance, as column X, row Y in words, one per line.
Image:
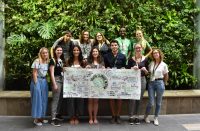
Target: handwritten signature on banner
column 102, row 83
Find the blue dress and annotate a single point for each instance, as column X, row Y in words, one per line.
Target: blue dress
column 39, row 91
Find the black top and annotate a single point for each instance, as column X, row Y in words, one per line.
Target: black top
column 143, row 63
column 118, row 62
column 58, row 67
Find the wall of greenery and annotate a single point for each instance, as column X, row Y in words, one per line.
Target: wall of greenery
column 32, row 24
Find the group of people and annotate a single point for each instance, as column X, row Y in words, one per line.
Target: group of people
column 97, row 53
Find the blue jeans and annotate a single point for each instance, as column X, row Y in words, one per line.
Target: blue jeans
column 155, row 91
column 39, row 97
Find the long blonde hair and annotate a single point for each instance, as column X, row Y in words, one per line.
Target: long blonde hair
column 138, row 44
column 40, row 54
column 142, row 41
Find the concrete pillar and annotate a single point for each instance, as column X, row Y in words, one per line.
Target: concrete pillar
column 2, row 45
column 196, row 69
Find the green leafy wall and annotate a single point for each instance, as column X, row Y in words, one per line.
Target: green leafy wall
column 32, row 24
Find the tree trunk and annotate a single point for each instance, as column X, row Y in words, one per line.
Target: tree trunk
column 2, row 45
column 196, row 69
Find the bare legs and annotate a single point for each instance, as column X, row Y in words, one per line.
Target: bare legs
column 93, row 110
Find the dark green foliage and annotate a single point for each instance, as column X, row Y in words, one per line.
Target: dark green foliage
column 168, row 24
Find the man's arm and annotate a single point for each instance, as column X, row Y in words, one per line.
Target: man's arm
column 54, row 45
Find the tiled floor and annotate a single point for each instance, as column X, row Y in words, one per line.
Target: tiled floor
column 192, row 127
column 167, row 123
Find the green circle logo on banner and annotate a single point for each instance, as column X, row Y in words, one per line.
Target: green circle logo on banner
column 100, row 81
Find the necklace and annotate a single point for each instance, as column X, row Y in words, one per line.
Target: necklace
column 155, row 67
column 138, row 60
column 100, row 45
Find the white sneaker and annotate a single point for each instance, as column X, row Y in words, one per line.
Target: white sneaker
column 37, row 123
column 156, row 123
column 45, row 121
column 146, row 119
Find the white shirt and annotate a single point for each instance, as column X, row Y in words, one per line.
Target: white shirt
column 157, row 71
column 41, row 68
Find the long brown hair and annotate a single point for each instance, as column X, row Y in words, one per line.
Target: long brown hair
column 160, row 53
column 70, row 62
column 54, row 53
column 82, row 37
column 99, row 58
column 103, row 39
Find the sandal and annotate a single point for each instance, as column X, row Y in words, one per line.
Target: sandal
column 96, row 121
column 91, row 122
column 71, row 121
column 76, row 121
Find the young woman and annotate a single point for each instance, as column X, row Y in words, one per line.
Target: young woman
column 115, row 59
column 95, row 61
column 158, row 79
column 102, row 44
column 39, row 87
column 85, row 43
column 75, row 105
column 56, row 75
column 145, row 45
column 137, row 62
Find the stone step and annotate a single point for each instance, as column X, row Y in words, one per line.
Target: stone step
column 17, row 103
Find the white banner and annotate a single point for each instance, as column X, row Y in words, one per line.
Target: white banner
column 102, row 83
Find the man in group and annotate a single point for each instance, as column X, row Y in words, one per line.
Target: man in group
column 116, row 60
column 125, row 45
column 66, row 43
